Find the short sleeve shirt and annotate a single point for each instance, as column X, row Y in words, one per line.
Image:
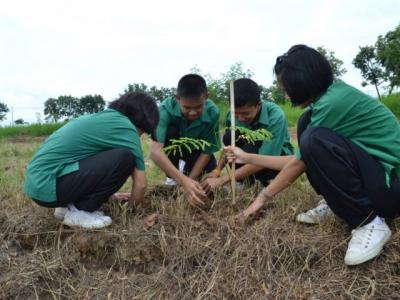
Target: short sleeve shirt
column 80, row 138
column 271, row 118
column 362, row 119
column 206, row 127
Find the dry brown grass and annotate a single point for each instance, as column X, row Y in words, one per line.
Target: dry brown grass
column 187, row 254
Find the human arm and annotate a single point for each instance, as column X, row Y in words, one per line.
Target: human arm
column 212, row 183
column 217, row 171
column 139, row 185
column 199, row 165
column 253, row 163
column 161, row 159
column 289, row 173
column 193, row 190
column 265, row 161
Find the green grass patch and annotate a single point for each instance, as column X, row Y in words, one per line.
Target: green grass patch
column 33, row 130
column 393, row 103
column 292, row 113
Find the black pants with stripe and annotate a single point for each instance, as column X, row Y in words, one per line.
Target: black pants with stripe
column 352, row 182
column 99, row 176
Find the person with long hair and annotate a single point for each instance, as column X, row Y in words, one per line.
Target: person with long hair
column 349, row 147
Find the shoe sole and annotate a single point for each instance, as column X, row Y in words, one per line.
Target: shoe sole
column 305, row 221
column 87, row 227
column 369, row 256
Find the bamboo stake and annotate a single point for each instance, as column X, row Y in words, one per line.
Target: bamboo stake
column 233, row 139
column 221, row 161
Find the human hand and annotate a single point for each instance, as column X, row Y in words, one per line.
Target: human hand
column 241, row 217
column 210, row 184
column 194, row 192
column 254, row 207
column 235, row 154
column 150, row 220
column 121, row 197
column 140, row 204
column 213, row 174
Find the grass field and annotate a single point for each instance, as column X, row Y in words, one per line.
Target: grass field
column 186, row 254
column 292, row 115
column 34, row 130
column 393, row 102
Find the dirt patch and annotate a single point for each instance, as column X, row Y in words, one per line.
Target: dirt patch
column 187, row 253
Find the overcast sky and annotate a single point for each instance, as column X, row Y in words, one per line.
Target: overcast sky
column 52, row 48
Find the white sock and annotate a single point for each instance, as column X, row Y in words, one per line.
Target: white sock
column 377, row 221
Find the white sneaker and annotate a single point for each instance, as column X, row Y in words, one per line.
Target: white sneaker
column 366, row 243
column 182, row 164
column 84, row 219
column 170, row 182
column 315, row 215
column 60, row 212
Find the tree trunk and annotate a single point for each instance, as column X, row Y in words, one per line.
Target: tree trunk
column 377, row 91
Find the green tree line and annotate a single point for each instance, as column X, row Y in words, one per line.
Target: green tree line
column 68, row 107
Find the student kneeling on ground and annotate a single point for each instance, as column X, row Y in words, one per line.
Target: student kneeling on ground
column 188, row 114
column 253, row 113
column 86, row 161
column 349, row 148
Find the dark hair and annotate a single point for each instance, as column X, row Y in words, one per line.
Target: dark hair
column 140, row 109
column 191, row 86
column 247, row 92
column 304, row 73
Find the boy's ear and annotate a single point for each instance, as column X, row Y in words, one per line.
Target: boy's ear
column 205, row 95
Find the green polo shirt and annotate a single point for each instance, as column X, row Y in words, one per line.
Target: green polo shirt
column 80, row 138
column 271, row 118
column 206, row 127
column 362, row 119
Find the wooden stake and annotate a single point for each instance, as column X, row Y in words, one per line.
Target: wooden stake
column 233, row 139
column 221, row 161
